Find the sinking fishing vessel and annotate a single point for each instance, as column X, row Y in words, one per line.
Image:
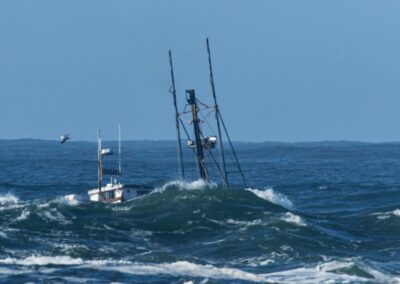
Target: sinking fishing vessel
column 202, row 144
column 114, row 191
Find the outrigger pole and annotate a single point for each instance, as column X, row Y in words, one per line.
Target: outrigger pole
column 99, row 158
column 217, row 117
column 119, row 150
column 177, row 119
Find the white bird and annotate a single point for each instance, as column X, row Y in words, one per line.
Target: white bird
column 106, row 152
column 64, row 138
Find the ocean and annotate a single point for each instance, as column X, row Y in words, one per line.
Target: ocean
column 325, row 212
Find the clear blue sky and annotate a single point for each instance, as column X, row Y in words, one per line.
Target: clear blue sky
column 284, row 70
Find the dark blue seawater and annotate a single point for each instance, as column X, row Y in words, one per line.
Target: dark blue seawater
column 312, row 213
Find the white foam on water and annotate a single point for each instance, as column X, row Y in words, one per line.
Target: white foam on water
column 61, row 200
column 8, row 198
column 243, row 224
column 43, row 260
column 327, row 272
column 396, row 212
column 76, row 279
column 213, row 242
column 387, row 215
column 9, row 201
column 274, row 197
column 185, row 268
column 24, row 215
column 68, row 201
column 186, row 185
column 8, row 271
column 322, row 273
column 55, row 216
column 179, row 268
column 294, row 219
column 254, row 261
column 69, row 248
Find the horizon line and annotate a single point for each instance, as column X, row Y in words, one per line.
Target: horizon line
column 234, row 141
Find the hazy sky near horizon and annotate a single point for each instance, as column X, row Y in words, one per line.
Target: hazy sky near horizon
column 284, row 70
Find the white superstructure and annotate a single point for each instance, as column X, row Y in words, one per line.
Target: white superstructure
column 113, row 192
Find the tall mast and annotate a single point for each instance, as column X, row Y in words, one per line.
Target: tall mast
column 99, row 159
column 217, row 117
column 178, row 131
column 119, row 150
column 191, row 99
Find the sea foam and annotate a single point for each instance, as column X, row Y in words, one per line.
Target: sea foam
column 325, row 272
column 8, row 198
column 24, row 215
column 294, row 219
column 273, row 197
column 186, row 185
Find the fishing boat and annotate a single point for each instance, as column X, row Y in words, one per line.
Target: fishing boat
column 202, row 145
column 114, row 191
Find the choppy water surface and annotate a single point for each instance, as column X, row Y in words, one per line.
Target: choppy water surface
column 311, row 213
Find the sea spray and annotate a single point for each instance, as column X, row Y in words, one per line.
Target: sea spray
column 272, row 196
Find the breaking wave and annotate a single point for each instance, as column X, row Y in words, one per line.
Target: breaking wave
column 294, row 219
column 272, row 196
column 186, row 185
column 202, row 218
column 331, row 271
column 8, row 198
column 386, row 215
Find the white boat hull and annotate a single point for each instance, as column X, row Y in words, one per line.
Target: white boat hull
column 113, row 193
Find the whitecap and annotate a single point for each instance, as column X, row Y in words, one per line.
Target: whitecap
column 43, row 260
column 67, row 201
column 396, row 212
column 294, row 219
column 185, row 268
column 186, row 185
column 8, row 198
column 244, row 223
column 55, row 216
column 24, row 215
column 387, row 215
column 326, row 272
column 70, row 248
column 272, row 196
column 8, row 271
column 9, row 201
column 254, row 261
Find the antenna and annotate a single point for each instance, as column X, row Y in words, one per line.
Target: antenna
column 177, row 119
column 119, row 149
column 217, row 117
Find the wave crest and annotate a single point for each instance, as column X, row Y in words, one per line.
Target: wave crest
column 274, row 197
column 187, row 185
column 294, row 219
column 330, row 271
column 8, row 198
